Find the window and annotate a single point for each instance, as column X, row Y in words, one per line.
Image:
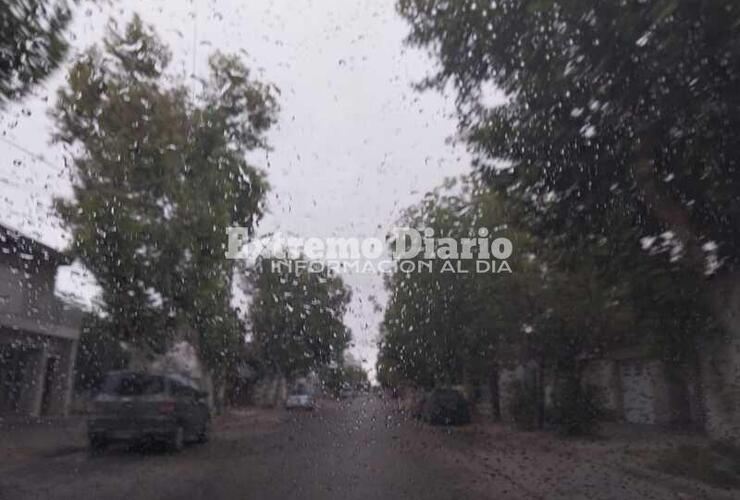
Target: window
column 133, row 385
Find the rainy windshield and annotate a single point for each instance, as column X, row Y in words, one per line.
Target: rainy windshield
column 369, row 249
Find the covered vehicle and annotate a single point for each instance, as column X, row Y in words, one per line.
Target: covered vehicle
column 444, row 407
column 134, row 406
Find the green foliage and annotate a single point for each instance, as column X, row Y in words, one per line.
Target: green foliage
column 32, row 43
column 388, row 368
column 160, row 174
column 613, row 145
column 440, row 326
column 578, row 409
column 355, row 377
column 555, row 307
column 332, row 379
column 98, row 352
column 436, row 323
column 297, row 317
column 616, row 108
column 336, row 378
column 445, row 407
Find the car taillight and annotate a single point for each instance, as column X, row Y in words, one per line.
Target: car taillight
column 166, row 407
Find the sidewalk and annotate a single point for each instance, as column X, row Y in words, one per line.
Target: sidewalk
column 620, row 462
column 25, row 437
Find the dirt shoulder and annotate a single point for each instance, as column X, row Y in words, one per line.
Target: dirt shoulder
column 620, row 464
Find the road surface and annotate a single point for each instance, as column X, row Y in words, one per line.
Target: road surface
column 359, row 449
column 356, row 449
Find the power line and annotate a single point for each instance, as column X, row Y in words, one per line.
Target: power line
column 27, row 151
column 195, row 46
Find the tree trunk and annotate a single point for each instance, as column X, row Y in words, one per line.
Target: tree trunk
column 697, row 411
column 493, row 382
column 217, row 385
column 540, row 387
column 663, row 207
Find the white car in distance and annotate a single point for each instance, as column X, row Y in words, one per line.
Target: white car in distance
column 299, row 400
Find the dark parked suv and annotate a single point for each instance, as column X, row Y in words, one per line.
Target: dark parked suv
column 135, row 406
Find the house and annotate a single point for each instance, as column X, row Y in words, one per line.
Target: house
column 641, row 389
column 633, row 387
column 636, row 387
column 38, row 332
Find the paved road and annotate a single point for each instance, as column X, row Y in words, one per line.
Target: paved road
column 359, row 449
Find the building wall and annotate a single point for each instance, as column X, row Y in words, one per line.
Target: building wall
column 27, row 299
column 508, row 377
column 39, row 333
column 719, row 364
column 12, row 297
column 634, row 389
column 38, row 390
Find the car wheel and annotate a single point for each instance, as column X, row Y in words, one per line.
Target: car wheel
column 178, row 439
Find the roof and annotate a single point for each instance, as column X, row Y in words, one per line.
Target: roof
column 13, row 241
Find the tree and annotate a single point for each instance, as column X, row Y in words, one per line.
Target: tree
column 334, row 378
column 440, row 327
column 627, row 105
column 452, row 328
column 297, row 317
column 97, row 353
column 160, row 175
column 32, row 43
column 617, row 139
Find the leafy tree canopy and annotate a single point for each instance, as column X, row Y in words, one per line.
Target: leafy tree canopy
column 556, row 307
column 297, row 317
column 622, row 109
column 160, row 175
column 32, row 43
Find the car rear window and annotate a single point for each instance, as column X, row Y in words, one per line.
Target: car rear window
column 133, row 384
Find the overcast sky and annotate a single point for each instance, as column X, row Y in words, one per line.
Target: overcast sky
column 355, row 144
